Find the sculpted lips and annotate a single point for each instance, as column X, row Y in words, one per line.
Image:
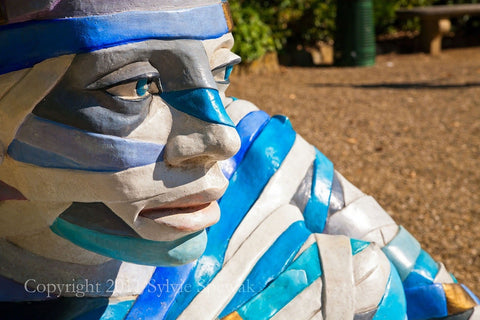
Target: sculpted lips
column 192, row 218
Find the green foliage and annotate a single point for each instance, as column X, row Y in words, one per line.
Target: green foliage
column 316, row 23
column 268, row 25
column 253, row 37
column 385, row 18
column 284, row 21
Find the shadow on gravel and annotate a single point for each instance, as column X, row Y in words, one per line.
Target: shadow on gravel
column 412, row 85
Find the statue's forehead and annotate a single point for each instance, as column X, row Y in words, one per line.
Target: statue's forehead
column 181, row 63
column 28, row 43
column 22, row 10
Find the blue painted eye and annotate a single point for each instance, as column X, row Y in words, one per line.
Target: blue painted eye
column 142, row 87
column 228, row 72
column 135, row 89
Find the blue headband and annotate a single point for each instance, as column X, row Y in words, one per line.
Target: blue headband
column 22, row 45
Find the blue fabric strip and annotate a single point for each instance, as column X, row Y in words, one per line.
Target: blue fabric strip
column 160, row 293
column 316, row 210
column 471, row 294
column 358, row 246
column 116, row 311
column 403, row 251
column 393, row 305
column 299, row 275
column 425, row 302
column 25, row 44
column 272, row 263
column 135, row 250
column 204, row 104
column 262, row 160
column 51, row 144
column 248, row 129
column 423, row 272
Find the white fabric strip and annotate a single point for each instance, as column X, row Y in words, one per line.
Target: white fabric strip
column 363, row 219
column 371, row 273
column 278, row 191
column 8, row 80
column 126, row 192
column 20, row 100
column 239, row 109
column 16, row 264
column 338, row 278
column 476, row 313
column 310, row 240
column 20, row 218
column 132, row 278
column 443, row 276
column 318, row 316
column 125, row 186
column 350, row 192
column 305, row 305
column 227, row 282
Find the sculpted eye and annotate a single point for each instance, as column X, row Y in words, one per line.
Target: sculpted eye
column 135, row 81
column 223, row 66
column 228, row 72
column 135, row 90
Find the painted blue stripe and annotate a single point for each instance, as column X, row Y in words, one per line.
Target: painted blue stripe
column 471, row 294
column 262, row 160
column 403, row 252
column 316, row 210
column 51, row 144
column 117, row 311
column 425, row 302
column 135, row 250
column 309, row 261
column 393, row 305
column 248, row 129
column 298, row 276
column 358, row 246
column 25, row 44
column 266, row 304
column 160, row 293
column 203, row 103
column 423, row 272
column 272, row 263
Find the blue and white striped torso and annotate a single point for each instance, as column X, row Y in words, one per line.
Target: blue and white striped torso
column 262, row 261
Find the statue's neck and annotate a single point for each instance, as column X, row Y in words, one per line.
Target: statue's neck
column 33, row 277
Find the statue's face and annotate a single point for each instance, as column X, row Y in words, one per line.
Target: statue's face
column 125, row 150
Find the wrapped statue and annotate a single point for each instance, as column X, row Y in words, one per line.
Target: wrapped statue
column 132, row 187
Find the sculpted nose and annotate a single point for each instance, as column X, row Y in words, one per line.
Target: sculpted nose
column 202, row 103
column 202, row 132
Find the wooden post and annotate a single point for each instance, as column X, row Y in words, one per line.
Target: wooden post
column 433, row 29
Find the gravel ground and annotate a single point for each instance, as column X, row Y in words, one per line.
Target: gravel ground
column 406, row 131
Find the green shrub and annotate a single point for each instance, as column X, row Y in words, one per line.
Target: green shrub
column 268, row 25
column 385, row 18
column 316, row 23
column 253, row 37
column 288, row 21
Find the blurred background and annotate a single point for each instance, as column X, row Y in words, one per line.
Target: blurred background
column 297, row 29
column 406, row 129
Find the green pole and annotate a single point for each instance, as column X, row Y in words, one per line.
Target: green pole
column 355, row 35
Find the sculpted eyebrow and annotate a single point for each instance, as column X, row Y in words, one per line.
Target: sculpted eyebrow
column 230, row 62
column 130, row 72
